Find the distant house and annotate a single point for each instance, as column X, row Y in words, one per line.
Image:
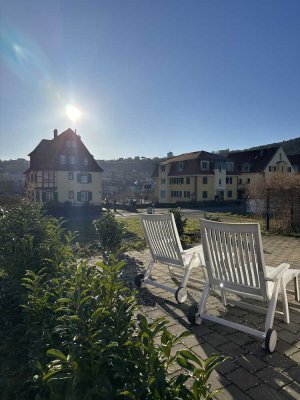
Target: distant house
column 195, row 177
column 63, row 170
column 253, row 163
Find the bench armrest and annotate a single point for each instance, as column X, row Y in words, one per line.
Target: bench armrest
column 195, row 249
column 278, row 272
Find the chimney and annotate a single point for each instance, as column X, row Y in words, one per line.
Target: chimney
column 55, row 133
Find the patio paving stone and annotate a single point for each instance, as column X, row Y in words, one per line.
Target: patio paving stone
column 251, row 373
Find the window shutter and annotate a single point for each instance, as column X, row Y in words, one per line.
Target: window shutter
column 89, row 178
column 78, row 178
column 43, row 197
column 90, row 196
column 78, row 196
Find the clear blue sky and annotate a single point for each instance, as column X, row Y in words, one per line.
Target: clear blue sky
column 150, row 76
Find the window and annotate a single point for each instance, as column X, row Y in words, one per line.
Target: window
column 162, row 194
column 204, row 165
column 49, row 196
column 229, row 180
column 245, row 167
column 188, row 181
column 84, row 196
column 70, row 176
column 289, row 169
column 84, row 179
column 229, row 166
column 71, row 194
column 70, row 143
column 176, row 193
column 179, row 166
column 240, row 181
column 229, row 195
column 63, row 159
column 204, row 195
column 204, row 180
column 162, row 168
column 220, row 181
column 248, row 180
column 275, row 169
column 270, row 168
column 176, row 181
column 163, row 181
column 86, row 161
column 187, row 194
column 72, row 160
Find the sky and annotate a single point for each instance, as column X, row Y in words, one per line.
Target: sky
column 149, row 76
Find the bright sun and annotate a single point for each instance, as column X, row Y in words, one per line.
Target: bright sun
column 73, row 112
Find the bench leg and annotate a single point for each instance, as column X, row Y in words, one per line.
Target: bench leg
column 285, row 303
column 297, row 293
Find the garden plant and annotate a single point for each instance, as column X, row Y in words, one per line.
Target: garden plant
column 72, row 330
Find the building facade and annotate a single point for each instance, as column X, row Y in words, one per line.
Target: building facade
column 251, row 164
column 195, row 177
column 63, row 170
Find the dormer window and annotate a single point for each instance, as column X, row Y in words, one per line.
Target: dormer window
column 246, row 167
column 229, row 166
column 70, row 144
column 204, row 165
column 162, row 168
column 179, row 167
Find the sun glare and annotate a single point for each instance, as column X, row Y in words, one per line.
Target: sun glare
column 73, row 112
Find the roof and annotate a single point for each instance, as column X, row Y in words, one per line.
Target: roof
column 294, row 159
column 257, row 159
column 191, row 163
column 46, row 154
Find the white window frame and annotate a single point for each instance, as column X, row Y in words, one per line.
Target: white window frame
column 72, row 159
column 63, row 159
column 84, row 196
column 49, row 196
column 179, row 166
column 204, row 165
column 84, row 178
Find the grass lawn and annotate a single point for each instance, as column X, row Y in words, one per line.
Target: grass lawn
column 134, row 232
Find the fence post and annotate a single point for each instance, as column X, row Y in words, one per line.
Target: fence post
column 268, row 210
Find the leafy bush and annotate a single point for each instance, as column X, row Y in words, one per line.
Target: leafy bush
column 71, row 330
column 100, row 350
column 109, row 232
column 212, row 217
column 179, row 220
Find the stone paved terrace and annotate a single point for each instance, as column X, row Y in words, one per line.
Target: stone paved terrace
column 251, row 373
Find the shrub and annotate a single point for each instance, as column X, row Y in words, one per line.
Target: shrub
column 179, row 220
column 101, row 350
column 109, row 232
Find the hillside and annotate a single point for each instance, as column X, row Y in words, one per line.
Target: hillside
column 290, row 147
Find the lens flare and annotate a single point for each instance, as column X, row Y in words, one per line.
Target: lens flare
column 73, row 112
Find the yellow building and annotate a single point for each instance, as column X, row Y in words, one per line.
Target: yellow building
column 251, row 164
column 63, row 170
column 195, row 177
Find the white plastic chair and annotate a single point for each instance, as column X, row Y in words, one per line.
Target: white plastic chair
column 234, row 261
column 164, row 243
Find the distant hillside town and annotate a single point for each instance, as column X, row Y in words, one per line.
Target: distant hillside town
column 198, row 176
